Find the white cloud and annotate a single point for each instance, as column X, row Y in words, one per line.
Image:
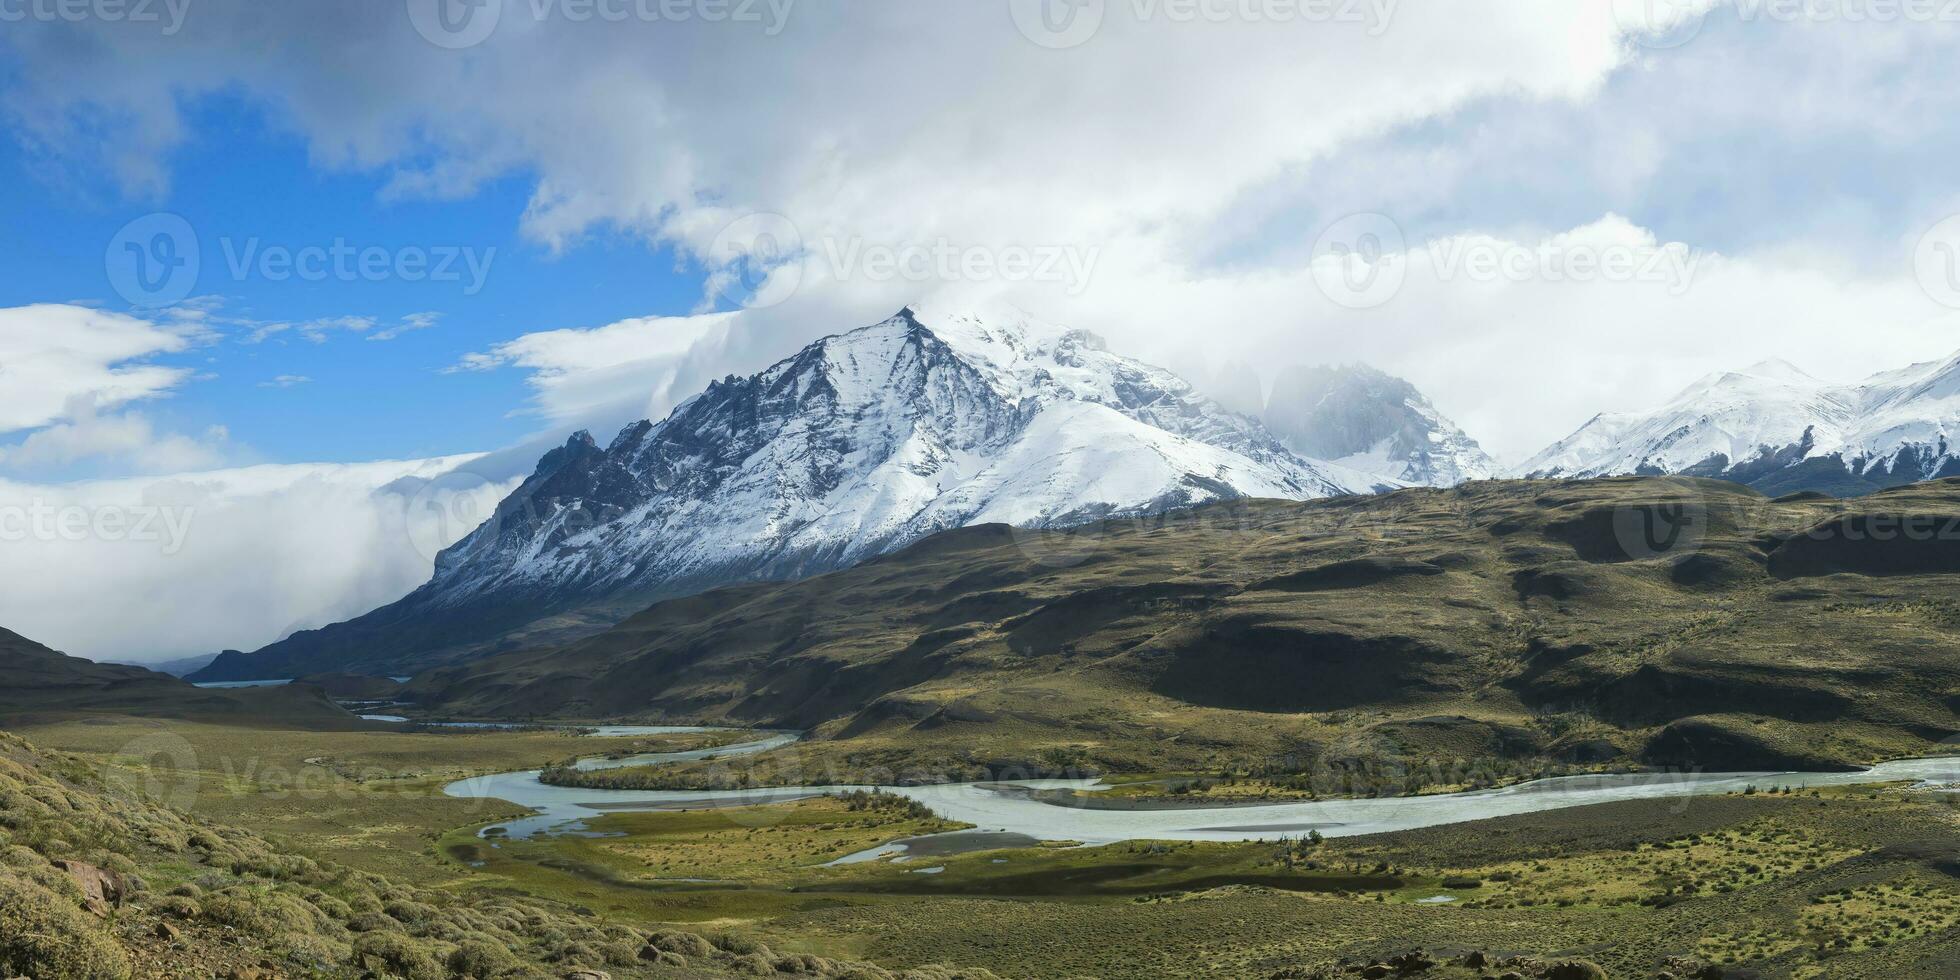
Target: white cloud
column 285, row 381
column 1520, row 340
column 128, row 438
column 1199, row 161
column 53, row 354
column 616, row 372
column 407, row 324
column 235, row 558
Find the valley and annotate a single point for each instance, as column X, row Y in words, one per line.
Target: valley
column 1480, row 729
column 1473, row 636
column 1003, row 490
column 1822, row 863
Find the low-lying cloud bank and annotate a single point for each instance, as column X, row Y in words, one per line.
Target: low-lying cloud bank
column 151, row 569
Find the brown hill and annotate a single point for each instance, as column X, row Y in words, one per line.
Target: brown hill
column 38, row 682
column 1669, row 621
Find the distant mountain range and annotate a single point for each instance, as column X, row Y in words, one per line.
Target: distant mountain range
column 1773, row 427
column 1503, row 619
column 858, row 444
column 36, row 680
column 867, row 441
column 1364, row 419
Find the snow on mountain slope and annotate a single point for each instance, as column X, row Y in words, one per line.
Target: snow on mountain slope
column 1761, row 424
column 868, row 440
column 856, row 445
column 1366, row 420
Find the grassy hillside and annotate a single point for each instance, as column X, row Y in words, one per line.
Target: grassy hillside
column 37, row 683
column 101, row 884
column 1529, row 621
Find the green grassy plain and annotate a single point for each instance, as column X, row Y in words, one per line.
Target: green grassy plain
column 1843, row 882
column 369, row 799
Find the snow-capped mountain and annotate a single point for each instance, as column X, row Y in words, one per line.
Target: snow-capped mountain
column 1377, row 423
column 858, row 444
column 1777, row 428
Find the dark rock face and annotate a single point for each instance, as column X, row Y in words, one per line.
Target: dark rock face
column 1699, row 744
column 1872, row 544
column 102, row 890
column 1281, row 669
column 1474, row 630
column 858, row 444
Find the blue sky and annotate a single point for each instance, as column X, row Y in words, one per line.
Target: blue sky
column 241, row 179
column 1202, row 177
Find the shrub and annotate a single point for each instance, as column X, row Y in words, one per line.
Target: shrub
column 409, row 913
column 739, row 945
column 477, row 956
column 1575, row 970
column 400, row 955
column 45, row 937
column 754, row 964
column 684, row 943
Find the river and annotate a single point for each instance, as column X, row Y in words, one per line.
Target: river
column 1010, row 809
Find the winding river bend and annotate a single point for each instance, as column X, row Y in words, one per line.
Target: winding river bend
column 1011, row 810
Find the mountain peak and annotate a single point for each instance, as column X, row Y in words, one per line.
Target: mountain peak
column 1364, row 418
column 1774, row 426
column 1778, row 369
column 859, row 443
